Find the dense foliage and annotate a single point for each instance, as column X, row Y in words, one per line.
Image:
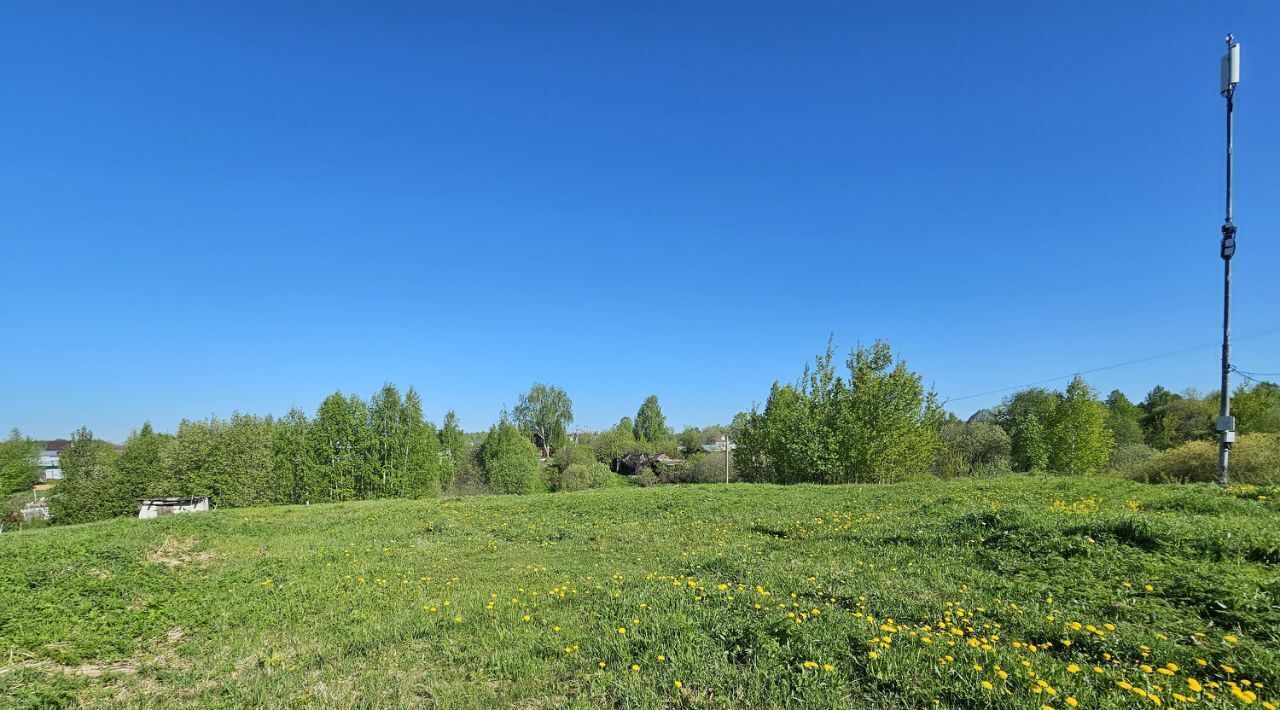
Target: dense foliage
column 877, row 424
column 510, row 459
column 18, row 468
column 872, row 422
column 350, row 450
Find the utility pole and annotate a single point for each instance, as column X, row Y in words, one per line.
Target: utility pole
column 724, row 441
column 1230, row 77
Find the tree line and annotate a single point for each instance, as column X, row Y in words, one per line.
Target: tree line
column 876, row 422
column 870, row 419
column 351, row 449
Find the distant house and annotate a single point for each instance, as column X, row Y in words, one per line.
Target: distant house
column 718, row 446
column 50, row 461
column 155, row 507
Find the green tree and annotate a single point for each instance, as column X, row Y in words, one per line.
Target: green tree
column 615, row 442
column 1032, row 407
column 294, row 459
column 650, row 424
column 390, row 423
column 1079, row 441
column 690, row 440
column 1169, row 419
column 1257, row 408
column 509, row 459
column 1030, row 444
column 972, row 448
column 345, row 447
column 87, row 472
column 880, row 424
column 420, row 460
column 1124, row 419
column 230, row 460
column 19, row 463
column 453, row 448
column 544, row 413
column 889, row 421
column 140, row 462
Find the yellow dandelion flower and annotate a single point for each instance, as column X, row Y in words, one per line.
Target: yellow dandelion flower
column 987, row 684
column 678, row 685
column 635, row 667
column 1073, row 668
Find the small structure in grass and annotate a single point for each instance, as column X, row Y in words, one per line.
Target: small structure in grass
column 156, row 507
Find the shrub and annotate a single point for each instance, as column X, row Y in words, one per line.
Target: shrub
column 646, row 478
column 578, row 476
column 510, row 460
column 1126, row 459
column 708, row 468
column 570, row 454
column 1255, row 459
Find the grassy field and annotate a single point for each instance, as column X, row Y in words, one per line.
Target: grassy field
column 1012, row 592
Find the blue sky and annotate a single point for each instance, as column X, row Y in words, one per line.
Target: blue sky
column 244, row 206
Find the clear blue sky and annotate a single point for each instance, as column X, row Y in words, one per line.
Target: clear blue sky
column 247, row 205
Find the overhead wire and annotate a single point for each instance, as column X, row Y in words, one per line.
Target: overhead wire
column 1126, row 363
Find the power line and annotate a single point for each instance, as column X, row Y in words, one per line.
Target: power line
column 1113, row 366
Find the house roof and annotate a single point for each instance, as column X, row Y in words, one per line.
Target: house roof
column 57, row 444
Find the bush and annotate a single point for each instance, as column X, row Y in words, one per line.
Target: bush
column 578, row 477
column 646, row 478
column 1255, row 459
column 571, row 454
column 510, row 460
column 707, row 468
column 1126, row 459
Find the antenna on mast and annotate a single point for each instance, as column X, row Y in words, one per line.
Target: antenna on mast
column 1229, row 78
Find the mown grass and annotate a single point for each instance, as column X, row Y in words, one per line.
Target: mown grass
column 911, row 595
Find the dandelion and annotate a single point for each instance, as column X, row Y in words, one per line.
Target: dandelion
column 1072, row 701
column 828, row 667
column 622, row 629
column 810, row 665
column 1194, row 685
column 678, row 685
column 1073, row 668
column 987, row 684
column 1228, row 638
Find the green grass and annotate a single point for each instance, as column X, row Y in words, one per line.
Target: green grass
column 728, row 590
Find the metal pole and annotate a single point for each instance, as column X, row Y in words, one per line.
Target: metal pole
column 1226, row 427
column 725, row 438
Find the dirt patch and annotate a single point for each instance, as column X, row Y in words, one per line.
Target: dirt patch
column 174, row 553
column 86, row 670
